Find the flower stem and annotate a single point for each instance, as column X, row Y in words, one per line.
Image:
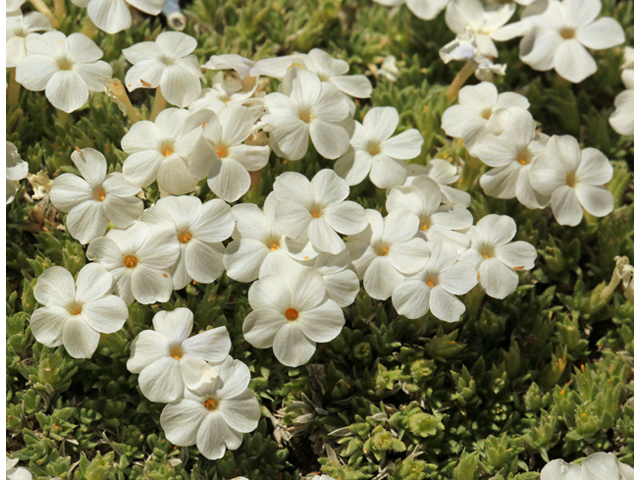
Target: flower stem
column 117, row 89
column 59, row 8
column 63, row 117
column 13, row 92
column 43, row 9
column 89, row 29
column 158, row 105
column 461, row 78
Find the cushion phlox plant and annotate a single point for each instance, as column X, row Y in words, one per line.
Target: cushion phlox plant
column 331, row 240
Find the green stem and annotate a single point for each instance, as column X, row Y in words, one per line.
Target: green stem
column 63, row 117
column 59, row 8
column 13, row 92
column 43, row 9
column 158, row 105
column 89, row 29
column 461, row 78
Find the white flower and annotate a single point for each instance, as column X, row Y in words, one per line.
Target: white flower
column 200, row 229
column 332, row 70
column 13, row 6
column 444, row 174
column 166, row 63
column 469, row 15
column 140, row 259
column 573, row 179
column 276, row 67
column 438, row 221
column 477, row 104
column 496, row 257
column 19, row 28
column 513, row 153
column 388, row 69
column 621, row 119
column 222, row 93
column 167, row 359
column 340, row 279
column 464, row 48
column 312, row 108
column 317, row 210
column 231, row 159
column 597, row 466
column 113, row 16
column 67, row 69
column 376, row 153
column 76, row 313
column 17, row 169
column 291, row 312
column 423, row 9
column 386, row 250
column 215, row 415
column 16, row 473
column 96, row 198
column 435, row 287
column 557, row 37
column 230, row 61
column 259, row 247
column 164, row 150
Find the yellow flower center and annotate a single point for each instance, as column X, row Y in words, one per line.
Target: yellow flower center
column 99, row 194
column 291, row 314
column 166, row 149
column 571, row 179
column 567, row 33
column 523, row 157
column 176, row 352
column 424, row 224
column 75, row 309
column 373, row 149
column 185, row 236
column 130, row 261
column 65, row 64
column 487, row 251
column 382, row 250
column 305, row 116
column 211, row 404
column 486, row 113
column 222, row 150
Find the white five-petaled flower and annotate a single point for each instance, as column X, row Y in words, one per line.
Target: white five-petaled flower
column 227, row 61
column 465, row 48
column 597, row 466
column 19, row 28
column 311, row 108
column 140, row 259
column 167, row 359
column 67, row 69
column 512, row 154
column 463, row 16
column 16, row 473
column 435, row 287
column 423, row 9
column 166, row 63
column 438, row 221
column 214, row 416
column 259, row 247
column 496, row 257
column 332, row 70
column 317, row 210
column 574, row 179
column 200, row 229
column 95, row 198
column 76, row 313
column 164, row 150
column 113, row 16
column 17, row 169
column 386, row 251
column 376, row 153
column 291, row 312
column 559, row 37
column 224, row 92
column 474, row 116
column 621, row 119
column 231, row 159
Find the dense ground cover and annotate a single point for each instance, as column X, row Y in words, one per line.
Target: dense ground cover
column 545, row 373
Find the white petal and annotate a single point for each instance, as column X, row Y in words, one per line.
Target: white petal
column 330, row 140
column 604, row 33
column 47, row 324
column 261, row 326
column 105, row 315
column 79, row 339
column 293, row 219
column 69, row 190
column 203, row 261
column 122, row 211
column 150, row 285
column 460, row 278
column 353, row 166
column 214, row 434
column 243, row 259
column 162, row 380
column 538, row 48
column 347, row 218
column 445, row 306
column 328, row 188
column 141, row 168
column 91, row 164
column 181, row 421
column 404, row 146
column 566, row 206
column 241, row 412
column 357, row 86
column 87, row 221
column 381, row 278
column 229, row 179
column 342, row 287
column 573, row 62
column 497, row 229
column 146, row 348
column 175, row 325
column 387, row 172
column 411, row 298
column 598, row 201
column 594, row 168
column 35, row 71
column 497, row 279
column 409, row 257
column 212, row 345
column 518, row 255
column 196, row 372
column 67, row 91
column 322, row 323
column 111, row 16
column 179, row 86
column 291, row 347
column 55, row 287
column 93, row 282
column 323, row 237
column 106, row 252
column 380, row 123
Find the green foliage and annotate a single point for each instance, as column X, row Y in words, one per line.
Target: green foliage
column 545, row 373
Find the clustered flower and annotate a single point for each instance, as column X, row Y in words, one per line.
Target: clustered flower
column 307, row 248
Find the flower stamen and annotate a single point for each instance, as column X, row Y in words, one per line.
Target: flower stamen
column 185, row 236
column 130, row 261
column 99, row 194
column 211, row 404
column 291, row 314
column 176, row 352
